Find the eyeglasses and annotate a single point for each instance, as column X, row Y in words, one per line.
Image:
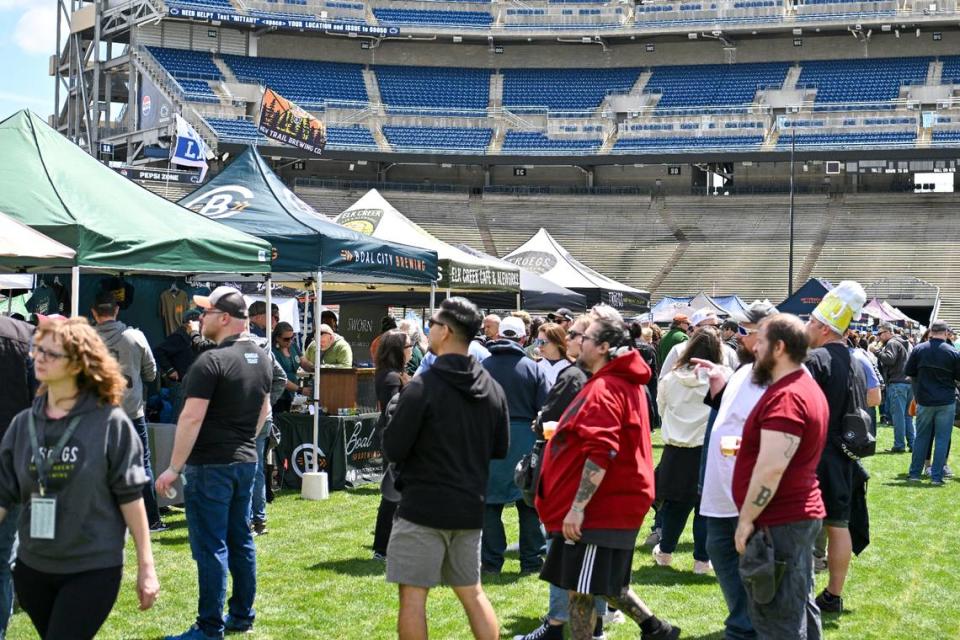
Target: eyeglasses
column 433, row 322
column 39, row 353
column 743, row 331
column 573, row 335
column 594, row 339
column 212, row 312
column 286, row 339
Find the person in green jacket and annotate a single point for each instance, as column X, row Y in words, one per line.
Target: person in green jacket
column 674, row 336
column 335, row 351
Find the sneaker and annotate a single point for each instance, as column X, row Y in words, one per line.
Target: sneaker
column 232, row 625
column 947, row 471
column 702, row 567
column 938, row 483
column 258, row 527
column 598, row 630
column 819, row 564
column 926, row 469
column 666, row 632
column 193, row 633
column 829, row 603
column 545, row 631
column 614, row 616
column 662, row 559
column 653, row 538
column 382, row 557
column 159, row 526
column 914, row 479
column 897, row 450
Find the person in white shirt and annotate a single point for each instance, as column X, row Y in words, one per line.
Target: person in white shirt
column 684, row 416
column 734, row 397
column 553, row 351
column 701, row 320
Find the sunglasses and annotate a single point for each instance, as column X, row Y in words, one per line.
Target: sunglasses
column 39, row 353
column 432, row 322
column 287, row 339
column 211, row 312
column 573, row 335
column 743, row 331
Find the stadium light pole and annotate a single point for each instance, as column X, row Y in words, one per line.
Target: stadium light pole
column 793, row 148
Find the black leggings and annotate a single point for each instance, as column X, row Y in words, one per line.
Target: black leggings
column 381, row 534
column 67, row 606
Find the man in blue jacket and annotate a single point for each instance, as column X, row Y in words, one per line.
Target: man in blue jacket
column 526, row 389
column 934, row 368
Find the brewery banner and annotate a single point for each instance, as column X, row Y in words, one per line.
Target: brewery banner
column 285, row 122
column 348, row 448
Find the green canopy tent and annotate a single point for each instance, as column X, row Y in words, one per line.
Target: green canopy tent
column 113, row 224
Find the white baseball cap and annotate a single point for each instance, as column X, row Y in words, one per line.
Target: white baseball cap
column 512, row 327
column 702, row 315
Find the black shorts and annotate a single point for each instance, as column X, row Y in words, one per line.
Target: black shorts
column 835, row 473
column 587, row 568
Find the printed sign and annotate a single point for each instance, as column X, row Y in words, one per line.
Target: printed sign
column 285, row 122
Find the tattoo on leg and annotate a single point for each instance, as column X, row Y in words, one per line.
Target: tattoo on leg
column 763, row 497
column 588, row 482
column 632, row 606
column 583, row 616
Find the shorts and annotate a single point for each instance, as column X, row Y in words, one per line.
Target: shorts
column 587, row 568
column 835, row 473
column 422, row 556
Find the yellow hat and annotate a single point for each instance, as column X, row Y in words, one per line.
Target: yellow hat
column 841, row 306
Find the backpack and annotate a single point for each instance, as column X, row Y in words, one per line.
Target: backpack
column 527, row 473
column 856, row 438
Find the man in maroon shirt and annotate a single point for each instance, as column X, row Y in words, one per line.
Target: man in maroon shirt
column 775, row 482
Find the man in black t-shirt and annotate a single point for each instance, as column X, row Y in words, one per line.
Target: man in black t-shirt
column 227, row 402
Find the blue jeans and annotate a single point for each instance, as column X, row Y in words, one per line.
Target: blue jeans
column 560, row 601
column 933, row 423
column 726, row 566
column 899, row 395
column 149, row 491
column 259, row 497
column 217, row 500
column 493, row 543
column 674, row 518
column 8, row 551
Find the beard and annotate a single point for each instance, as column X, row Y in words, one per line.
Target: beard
column 763, row 370
column 744, row 355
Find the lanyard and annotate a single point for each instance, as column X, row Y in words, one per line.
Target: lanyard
column 45, row 464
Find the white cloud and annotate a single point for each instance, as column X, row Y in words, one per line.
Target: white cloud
column 36, row 30
column 13, row 4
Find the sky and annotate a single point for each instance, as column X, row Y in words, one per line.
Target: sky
column 27, row 40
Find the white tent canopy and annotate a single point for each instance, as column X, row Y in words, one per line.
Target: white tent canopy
column 544, row 255
column 18, row 241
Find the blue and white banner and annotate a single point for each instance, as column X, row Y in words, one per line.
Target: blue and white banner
column 306, row 24
column 190, row 150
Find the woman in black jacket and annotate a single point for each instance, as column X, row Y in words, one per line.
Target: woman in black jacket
column 393, row 354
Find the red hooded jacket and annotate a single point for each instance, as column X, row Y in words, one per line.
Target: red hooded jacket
column 607, row 423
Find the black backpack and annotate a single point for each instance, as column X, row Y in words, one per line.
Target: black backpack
column 856, row 438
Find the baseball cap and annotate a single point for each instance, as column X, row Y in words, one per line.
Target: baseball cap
column 758, row 310
column 226, row 299
column 702, row 315
column 560, row 314
column 511, row 327
column 938, row 326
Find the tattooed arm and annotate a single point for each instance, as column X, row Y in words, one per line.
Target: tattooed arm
column 590, row 480
column 777, row 448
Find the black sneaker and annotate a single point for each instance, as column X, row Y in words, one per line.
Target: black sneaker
column 158, row 526
column 258, row 527
column 666, row 632
column 829, row 603
column 545, row 631
column 598, row 630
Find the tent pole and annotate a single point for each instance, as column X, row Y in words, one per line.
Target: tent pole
column 448, row 292
column 10, row 302
column 316, row 373
column 268, row 294
column 433, row 298
column 74, row 292
column 303, row 327
column 518, row 302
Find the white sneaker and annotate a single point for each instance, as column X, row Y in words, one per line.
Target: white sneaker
column 662, row 559
column 819, row 564
column 702, row 568
column 947, row 471
column 926, row 469
column 614, row 617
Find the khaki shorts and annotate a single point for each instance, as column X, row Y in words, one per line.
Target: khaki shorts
column 422, row 556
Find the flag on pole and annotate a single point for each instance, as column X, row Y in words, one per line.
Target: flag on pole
column 190, row 150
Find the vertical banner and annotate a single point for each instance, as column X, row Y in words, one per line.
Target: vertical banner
column 155, row 109
column 189, row 150
column 285, row 122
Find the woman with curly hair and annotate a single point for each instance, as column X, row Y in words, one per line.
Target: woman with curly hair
column 75, row 463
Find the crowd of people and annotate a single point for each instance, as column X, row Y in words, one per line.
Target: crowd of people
column 764, row 424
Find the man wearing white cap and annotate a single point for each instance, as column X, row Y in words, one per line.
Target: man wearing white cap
column 227, row 403
column 829, row 364
column 700, row 319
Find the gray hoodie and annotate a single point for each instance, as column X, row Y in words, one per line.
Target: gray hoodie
column 100, row 468
column 129, row 346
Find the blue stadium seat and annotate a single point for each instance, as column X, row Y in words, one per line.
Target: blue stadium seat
column 434, row 87
column 186, row 64
column 303, row 81
column 862, row 80
column 198, row 91
column 434, row 17
column 355, row 136
column 439, row 138
column 714, row 84
column 874, row 138
column 563, row 89
column 678, row 142
column 531, row 141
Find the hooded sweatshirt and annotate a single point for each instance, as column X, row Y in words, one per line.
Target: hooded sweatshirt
column 100, row 468
column 129, row 346
column 450, row 421
column 338, row 355
column 683, row 414
column 607, row 423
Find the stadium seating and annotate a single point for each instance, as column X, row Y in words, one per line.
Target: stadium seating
column 563, row 89
column 870, row 138
column 531, row 141
column 714, row 84
column 246, row 131
column 434, row 87
column 688, row 142
column 198, row 91
column 303, row 81
column 186, row 64
column 437, row 138
column 951, row 69
column 946, row 135
column 474, row 19
column 862, row 80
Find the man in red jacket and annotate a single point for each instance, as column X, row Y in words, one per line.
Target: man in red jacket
column 597, row 482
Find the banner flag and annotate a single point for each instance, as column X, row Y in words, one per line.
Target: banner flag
column 190, row 150
column 285, row 122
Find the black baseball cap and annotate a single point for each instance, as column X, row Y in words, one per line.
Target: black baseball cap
column 226, row 299
column 560, row 314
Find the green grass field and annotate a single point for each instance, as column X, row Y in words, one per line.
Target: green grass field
column 317, row 578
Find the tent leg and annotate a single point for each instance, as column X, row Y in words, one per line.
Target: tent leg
column 268, row 294
column 74, row 292
column 448, row 293
column 433, row 298
column 10, row 302
column 518, row 302
column 303, row 326
column 316, row 373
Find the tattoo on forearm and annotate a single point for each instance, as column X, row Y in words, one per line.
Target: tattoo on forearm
column 763, row 497
column 793, row 442
column 582, row 616
column 631, row 605
column 589, row 481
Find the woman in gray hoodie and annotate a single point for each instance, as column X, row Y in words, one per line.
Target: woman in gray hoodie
column 75, row 463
